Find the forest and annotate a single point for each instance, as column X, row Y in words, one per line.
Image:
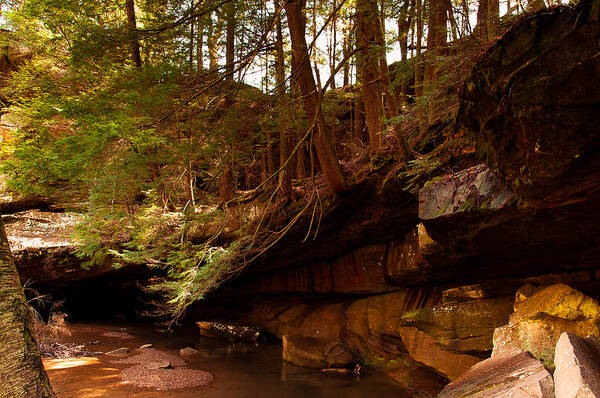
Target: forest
column 401, row 195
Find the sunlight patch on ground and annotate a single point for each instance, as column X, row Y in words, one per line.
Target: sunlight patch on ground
column 53, row 364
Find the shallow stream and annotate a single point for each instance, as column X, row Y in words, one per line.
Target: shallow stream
column 240, row 370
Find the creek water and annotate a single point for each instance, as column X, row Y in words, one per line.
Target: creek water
column 240, row 370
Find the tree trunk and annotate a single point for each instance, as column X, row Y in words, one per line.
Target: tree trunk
column 134, row 44
column 22, row 373
column 230, row 39
column 324, row 146
column 345, row 52
column 390, row 101
column 493, row 19
column 436, row 38
column 200, row 43
column 368, row 38
column 192, row 20
column 284, row 151
column 359, row 102
column 419, row 40
column 480, row 31
column 332, row 46
column 359, row 117
column 226, row 183
column 404, row 24
column 214, row 32
column 453, row 24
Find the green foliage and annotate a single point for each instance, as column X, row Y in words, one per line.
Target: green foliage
column 194, row 270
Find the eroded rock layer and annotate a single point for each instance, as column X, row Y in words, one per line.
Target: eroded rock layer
column 428, row 296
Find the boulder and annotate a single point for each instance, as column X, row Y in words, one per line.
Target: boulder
column 472, row 230
column 472, row 189
column 291, row 317
column 371, row 328
column 577, row 361
column 315, row 353
column 227, row 331
column 558, row 300
column 514, row 373
column 540, row 319
column 423, row 348
column 13, row 55
column 464, row 326
column 188, row 351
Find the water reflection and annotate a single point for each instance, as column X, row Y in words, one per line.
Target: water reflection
column 240, row 370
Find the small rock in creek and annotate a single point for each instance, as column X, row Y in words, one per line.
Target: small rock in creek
column 118, row 352
column 159, row 365
column 94, row 342
column 147, row 346
column 337, row 371
column 187, row 351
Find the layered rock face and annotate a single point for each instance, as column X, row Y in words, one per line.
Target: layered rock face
column 427, row 296
column 42, row 245
column 530, row 106
column 444, row 326
column 45, row 254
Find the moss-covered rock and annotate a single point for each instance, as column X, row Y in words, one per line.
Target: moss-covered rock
column 539, row 320
column 471, row 190
column 462, row 327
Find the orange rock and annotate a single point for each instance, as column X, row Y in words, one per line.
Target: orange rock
column 465, row 326
column 315, row 353
column 423, row 348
